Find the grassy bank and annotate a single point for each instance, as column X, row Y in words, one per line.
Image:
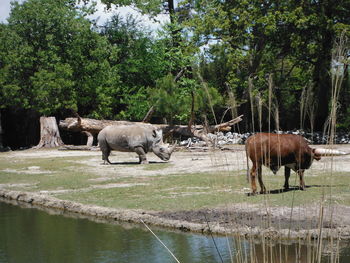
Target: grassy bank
column 160, row 186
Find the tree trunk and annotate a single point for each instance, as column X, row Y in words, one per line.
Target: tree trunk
column 1, row 132
column 171, row 11
column 49, row 133
column 148, row 114
column 323, row 92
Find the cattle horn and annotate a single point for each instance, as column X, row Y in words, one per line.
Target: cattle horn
column 329, row 152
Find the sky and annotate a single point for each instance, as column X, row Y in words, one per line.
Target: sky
column 101, row 14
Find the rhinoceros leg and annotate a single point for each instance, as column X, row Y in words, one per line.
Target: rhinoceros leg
column 106, row 160
column 105, row 152
column 142, row 155
column 105, row 155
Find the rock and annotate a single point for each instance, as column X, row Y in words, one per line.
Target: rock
column 221, row 138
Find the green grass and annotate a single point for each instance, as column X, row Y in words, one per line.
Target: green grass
column 195, row 191
column 164, row 192
column 54, row 173
column 156, row 166
column 188, row 191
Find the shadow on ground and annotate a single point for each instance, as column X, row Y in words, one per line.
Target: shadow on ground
column 293, row 188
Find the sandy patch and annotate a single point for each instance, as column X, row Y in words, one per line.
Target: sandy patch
column 28, row 170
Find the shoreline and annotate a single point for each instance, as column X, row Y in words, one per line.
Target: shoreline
column 157, row 219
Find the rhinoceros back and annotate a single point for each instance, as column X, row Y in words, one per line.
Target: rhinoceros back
column 126, row 137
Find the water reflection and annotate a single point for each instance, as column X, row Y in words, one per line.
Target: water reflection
column 31, row 235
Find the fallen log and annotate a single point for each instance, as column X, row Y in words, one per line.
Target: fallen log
column 92, row 127
column 223, row 126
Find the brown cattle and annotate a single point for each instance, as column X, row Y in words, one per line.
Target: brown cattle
column 276, row 150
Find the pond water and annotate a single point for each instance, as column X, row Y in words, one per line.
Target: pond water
column 31, row 235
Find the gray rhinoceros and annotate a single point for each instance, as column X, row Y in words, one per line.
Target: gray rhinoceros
column 139, row 138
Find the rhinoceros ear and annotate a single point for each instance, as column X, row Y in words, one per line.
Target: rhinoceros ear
column 158, row 135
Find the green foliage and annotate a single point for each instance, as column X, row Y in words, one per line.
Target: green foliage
column 53, row 90
column 171, row 101
column 137, row 104
column 150, row 7
column 173, row 93
column 54, row 61
column 291, row 40
column 140, row 63
column 52, row 58
column 207, row 98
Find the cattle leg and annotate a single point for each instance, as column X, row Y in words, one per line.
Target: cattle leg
column 262, row 186
column 256, row 168
column 252, row 178
column 142, row 155
column 301, row 177
column 286, row 177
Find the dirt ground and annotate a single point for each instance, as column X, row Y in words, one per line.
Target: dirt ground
column 242, row 219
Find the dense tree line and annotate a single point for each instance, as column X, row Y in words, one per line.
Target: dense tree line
column 269, row 60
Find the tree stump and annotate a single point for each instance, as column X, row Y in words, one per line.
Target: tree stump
column 49, row 133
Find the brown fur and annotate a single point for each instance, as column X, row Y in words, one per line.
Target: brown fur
column 276, row 150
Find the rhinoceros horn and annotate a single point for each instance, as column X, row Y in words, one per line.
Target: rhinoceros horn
column 329, row 152
column 172, row 148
